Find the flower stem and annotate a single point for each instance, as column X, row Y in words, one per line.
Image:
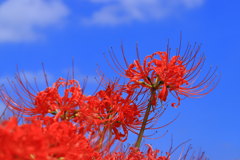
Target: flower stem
column 145, row 119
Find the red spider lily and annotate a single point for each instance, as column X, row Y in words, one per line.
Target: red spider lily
column 118, row 111
column 176, row 75
column 136, row 154
column 110, row 113
column 160, row 74
column 59, row 140
column 48, row 101
column 51, row 101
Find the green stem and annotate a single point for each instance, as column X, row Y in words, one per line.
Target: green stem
column 144, row 123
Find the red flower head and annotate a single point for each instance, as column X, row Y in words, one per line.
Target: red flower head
column 176, row 75
column 51, row 101
column 135, row 154
column 61, row 100
column 111, row 112
column 59, row 140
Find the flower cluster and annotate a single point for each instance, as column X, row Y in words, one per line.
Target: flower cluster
column 60, row 122
column 57, row 141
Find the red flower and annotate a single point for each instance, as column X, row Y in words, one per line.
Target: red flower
column 51, row 101
column 60, row 140
column 110, row 111
column 135, row 154
column 47, row 102
column 176, row 75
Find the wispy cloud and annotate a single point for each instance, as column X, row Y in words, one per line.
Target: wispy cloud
column 22, row 20
column 114, row 12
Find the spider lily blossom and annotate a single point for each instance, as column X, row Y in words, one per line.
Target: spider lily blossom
column 176, row 75
column 48, row 102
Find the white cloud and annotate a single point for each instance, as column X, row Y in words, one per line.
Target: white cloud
column 22, row 20
column 114, row 12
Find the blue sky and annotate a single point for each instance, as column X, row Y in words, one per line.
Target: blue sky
column 55, row 31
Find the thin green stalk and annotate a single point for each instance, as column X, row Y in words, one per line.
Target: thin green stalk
column 145, row 119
